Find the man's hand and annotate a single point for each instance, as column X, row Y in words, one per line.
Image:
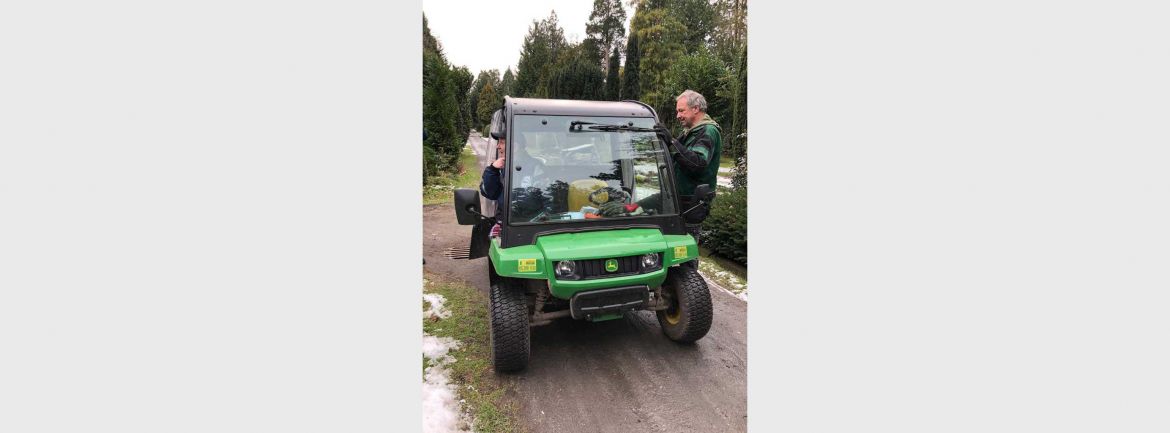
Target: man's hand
column 499, row 163
column 664, row 135
column 662, row 132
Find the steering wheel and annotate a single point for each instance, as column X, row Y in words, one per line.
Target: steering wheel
column 611, row 193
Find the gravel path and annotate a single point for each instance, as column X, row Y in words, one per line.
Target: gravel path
column 620, row 375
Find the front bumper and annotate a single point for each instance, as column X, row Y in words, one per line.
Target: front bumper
column 596, row 303
column 566, row 289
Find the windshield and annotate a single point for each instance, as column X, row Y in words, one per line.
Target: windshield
column 565, row 172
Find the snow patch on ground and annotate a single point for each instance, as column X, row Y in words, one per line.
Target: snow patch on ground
column 441, row 405
column 711, row 282
column 720, row 278
column 442, row 408
column 724, row 177
column 436, row 309
column 741, row 295
column 436, row 349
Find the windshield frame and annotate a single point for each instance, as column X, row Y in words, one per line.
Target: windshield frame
column 518, row 235
column 666, row 176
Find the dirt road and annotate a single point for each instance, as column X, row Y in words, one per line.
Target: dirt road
column 621, row 375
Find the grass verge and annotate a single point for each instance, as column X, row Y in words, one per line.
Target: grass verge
column 471, row 371
column 440, row 188
column 726, row 161
column 731, row 275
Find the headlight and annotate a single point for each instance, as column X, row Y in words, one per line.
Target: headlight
column 566, row 269
column 650, row 261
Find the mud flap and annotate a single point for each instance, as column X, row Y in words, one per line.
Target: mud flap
column 479, row 238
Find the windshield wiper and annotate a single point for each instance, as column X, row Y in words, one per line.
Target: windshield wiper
column 621, row 128
column 576, row 127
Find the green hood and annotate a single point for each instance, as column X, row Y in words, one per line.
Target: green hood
column 537, row 261
column 706, row 120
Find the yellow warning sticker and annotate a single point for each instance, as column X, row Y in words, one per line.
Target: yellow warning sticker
column 680, row 252
column 527, row 265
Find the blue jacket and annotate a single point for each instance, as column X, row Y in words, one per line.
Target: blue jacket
column 491, row 185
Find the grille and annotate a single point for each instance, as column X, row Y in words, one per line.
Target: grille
column 457, row 253
column 595, row 268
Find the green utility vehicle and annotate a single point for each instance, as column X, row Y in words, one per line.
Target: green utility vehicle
column 590, row 225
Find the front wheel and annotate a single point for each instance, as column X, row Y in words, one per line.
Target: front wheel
column 509, row 334
column 689, row 316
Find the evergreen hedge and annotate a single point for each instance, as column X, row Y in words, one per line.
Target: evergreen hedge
column 725, row 229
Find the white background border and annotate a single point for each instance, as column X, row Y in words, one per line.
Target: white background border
column 209, row 216
column 959, row 216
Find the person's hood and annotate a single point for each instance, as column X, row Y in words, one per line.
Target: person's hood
column 706, row 120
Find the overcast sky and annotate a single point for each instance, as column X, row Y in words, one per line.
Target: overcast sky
column 484, row 35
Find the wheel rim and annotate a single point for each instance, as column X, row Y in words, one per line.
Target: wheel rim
column 674, row 313
column 673, row 317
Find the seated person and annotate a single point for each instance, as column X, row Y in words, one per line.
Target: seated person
column 530, row 171
column 491, row 184
column 528, row 195
column 531, row 192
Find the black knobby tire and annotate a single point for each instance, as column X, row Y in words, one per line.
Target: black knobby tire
column 689, row 317
column 509, row 334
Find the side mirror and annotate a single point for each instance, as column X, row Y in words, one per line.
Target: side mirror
column 703, row 196
column 467, row 206
column 497, row 126
column 704, row 192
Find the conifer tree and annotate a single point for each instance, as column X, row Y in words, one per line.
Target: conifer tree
column 631, row 86
column 739, row 122
column 507, row 84
column 607, row 26
column 487, row 104
column 461, row 79
column 442, row 143
column 542, row 47
column 612, row 80
column 660, row 35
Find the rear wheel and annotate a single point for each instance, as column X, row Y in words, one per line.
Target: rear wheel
column 509, row 327
column 689, row 316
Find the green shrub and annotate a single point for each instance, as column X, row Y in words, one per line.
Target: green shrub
column 703, row 73
column 725, row 230
column 433, row 164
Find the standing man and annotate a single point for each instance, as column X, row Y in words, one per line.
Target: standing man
column 695, row 153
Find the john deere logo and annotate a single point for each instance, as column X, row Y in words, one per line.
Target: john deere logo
column 611, row 265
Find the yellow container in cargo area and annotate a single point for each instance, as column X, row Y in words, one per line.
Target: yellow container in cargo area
column 579, row 193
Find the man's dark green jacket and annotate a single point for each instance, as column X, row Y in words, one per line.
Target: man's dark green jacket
column 697, row 161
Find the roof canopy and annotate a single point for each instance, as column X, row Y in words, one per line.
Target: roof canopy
column 568, row 107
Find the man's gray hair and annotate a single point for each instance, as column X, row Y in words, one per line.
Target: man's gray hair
column 694, row 100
